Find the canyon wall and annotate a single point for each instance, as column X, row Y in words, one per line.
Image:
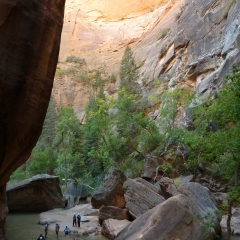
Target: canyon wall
column 29, row 46
column 191, row 44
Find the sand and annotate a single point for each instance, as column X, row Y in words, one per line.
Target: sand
column 65, row 218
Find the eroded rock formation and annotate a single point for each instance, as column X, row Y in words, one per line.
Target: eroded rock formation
column 188, row 43
column 110, row 192
column 110, row 212
column 29, row 45
column 37, row 194
column 172, row 219
column 74, row 194
column 140, row 196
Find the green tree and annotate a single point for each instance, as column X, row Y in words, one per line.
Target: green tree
column 215, row 136
column 67, row 142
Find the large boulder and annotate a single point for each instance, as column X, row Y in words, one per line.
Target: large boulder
column 111, row 227
column 107, row 212
column 75, row 193
column 140, row 196
column 29, row 45
column 203, row 201
column 110, row 192
column 172, row 219
column 37, row 194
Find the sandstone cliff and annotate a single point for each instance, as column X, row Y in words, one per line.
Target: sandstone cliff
column 29, row 45
column 188, row 43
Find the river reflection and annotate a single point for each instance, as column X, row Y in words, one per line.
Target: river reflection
column 25, row 226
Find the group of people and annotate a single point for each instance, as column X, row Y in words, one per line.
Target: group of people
column 76, row 222
column 57, row 227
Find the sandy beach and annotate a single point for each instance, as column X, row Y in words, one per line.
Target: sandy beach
column 65, row 218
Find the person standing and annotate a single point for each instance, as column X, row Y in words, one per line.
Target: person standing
column 74, row 220
column 57, row 227
column 46, row 230
column 78, row 219
column 66, row 230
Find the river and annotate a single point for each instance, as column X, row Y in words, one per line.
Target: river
column 25, row 226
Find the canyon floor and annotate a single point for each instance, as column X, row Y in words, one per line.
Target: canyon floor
column 65, row 218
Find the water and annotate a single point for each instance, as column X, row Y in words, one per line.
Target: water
column 233, row 237
column 25, row 226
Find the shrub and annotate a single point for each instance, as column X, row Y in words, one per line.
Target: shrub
column 164, row 33
column 59, row 72
column 111, row 90
column 74, row 59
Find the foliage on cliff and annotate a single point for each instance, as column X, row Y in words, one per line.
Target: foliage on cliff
column 118, row 132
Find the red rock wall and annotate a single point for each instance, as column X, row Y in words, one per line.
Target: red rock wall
column 30, row 33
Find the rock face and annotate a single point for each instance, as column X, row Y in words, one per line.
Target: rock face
column 37, row 194
column 192, row 44
column 75, row 193
column 110, row 192
column 140, row 196
column 172, row 219
column 107, row 212
column 30, row 37
column 112, row 227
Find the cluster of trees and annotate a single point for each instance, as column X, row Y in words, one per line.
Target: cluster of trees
column 117, row 132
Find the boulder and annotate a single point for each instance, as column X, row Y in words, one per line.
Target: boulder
column 112, row 227
column 235, row 220
column 169, row 187
column 166, row 187
column 203, row 203
column 110, row 192
column 75, row 193
column 150, row 167
column 107, row 212
column 172, row 219
column 139, row 197
column 37, row 194
column 220, row 198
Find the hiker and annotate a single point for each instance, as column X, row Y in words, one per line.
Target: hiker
column 46, row 230
column 41, row 237
column 66, row 230
column 57, row 227
column 74, row 219
column 78, row 219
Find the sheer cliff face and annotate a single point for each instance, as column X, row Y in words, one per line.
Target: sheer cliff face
column 99, row 30
column 182, row 42
column 29, row 45
column 30, row 36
